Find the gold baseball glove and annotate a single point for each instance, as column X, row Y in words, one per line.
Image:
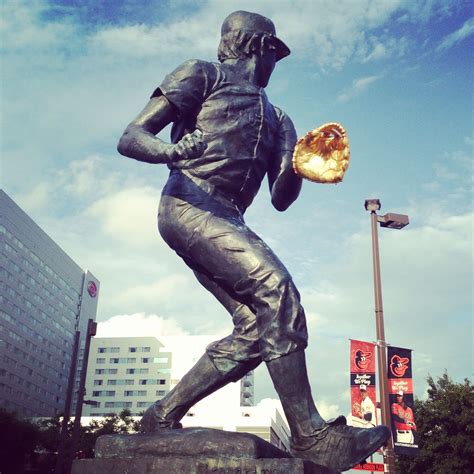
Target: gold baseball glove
column 322, row 155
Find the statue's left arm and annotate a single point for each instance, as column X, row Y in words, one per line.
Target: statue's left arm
column 285, row 184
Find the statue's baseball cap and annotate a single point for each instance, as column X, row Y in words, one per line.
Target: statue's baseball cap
column 254, row 23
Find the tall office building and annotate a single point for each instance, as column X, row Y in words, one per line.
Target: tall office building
column 44, row 298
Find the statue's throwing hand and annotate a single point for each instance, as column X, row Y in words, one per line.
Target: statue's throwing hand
column 192, row 145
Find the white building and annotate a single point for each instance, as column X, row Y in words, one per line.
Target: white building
column 44, row 298
column 126, row 373
column 134, row 372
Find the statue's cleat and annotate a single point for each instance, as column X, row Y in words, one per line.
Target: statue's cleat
column 338, row 446
column 153, row 420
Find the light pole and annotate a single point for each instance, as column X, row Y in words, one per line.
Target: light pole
column 392, row 221
column 91, row 331
column 67, row 407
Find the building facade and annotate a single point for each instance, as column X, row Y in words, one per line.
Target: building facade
column 132, row 372
column 45, row 297
column 126, row 373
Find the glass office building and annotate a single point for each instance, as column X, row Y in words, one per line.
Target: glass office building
column 44, row 298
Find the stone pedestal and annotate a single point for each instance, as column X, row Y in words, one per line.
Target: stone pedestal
column 191, row 451
column 192, row 465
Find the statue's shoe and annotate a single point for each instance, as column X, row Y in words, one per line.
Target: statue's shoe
column 154, row 420
column 338, row 446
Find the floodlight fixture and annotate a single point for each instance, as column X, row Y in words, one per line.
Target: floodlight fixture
column 393, row 221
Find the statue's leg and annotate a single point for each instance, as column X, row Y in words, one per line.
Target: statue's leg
column 290, row 378
column 202, row 380
column 215, row 369
column 332, row 444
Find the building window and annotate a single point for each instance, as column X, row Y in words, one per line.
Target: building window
column 103, row 393
column 152, row 382
column 132, row 349
column 103, row 350
column 100, row 360
column 98, row 382
column 120, row 382
column 118, row 404
column 160, row 393
column 160, row 360
column 146, row 349
column 145, row 360
column 123, row 360
column 134, row 393
column 143, row 404
column 105, row 371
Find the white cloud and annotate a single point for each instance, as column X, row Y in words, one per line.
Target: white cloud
column 128, row 215
column 379, row 51
column 139, row 325
column 358, row 87
column 21, row 27
column 191, row 36
column 155, row 293
column 466, row 30
column 74, row 87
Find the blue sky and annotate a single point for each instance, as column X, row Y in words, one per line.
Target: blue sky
column 397, row 74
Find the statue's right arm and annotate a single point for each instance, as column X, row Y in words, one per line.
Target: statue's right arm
column 139, row 142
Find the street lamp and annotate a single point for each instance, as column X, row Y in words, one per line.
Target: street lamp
column 91, row 332
column 392, row 221
column 64, row 460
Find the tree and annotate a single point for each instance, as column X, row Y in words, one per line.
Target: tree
column 445, row 429
column 18, row 440
column 122, row 423
column 32, row 447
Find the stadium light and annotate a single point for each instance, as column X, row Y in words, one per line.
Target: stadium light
column 391, row 221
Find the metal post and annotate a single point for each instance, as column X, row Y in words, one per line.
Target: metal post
column 389, row 459
column 67, row 406
column 91, row 331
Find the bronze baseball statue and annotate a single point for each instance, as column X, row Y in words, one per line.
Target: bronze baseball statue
column 226, row 137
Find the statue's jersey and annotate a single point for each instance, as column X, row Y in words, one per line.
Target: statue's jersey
column 244, row 132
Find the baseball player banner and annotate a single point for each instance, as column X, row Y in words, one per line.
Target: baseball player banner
column 363, row 398
column 400, row 389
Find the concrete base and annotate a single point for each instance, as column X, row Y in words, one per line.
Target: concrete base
column 190, row 465
column 191, row 451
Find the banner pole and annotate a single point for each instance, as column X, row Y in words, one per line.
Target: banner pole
column 389, row 459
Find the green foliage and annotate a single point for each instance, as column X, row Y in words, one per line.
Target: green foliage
column 30, row 447
column 122, row 423
column 18, row 439
column 445, row 429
